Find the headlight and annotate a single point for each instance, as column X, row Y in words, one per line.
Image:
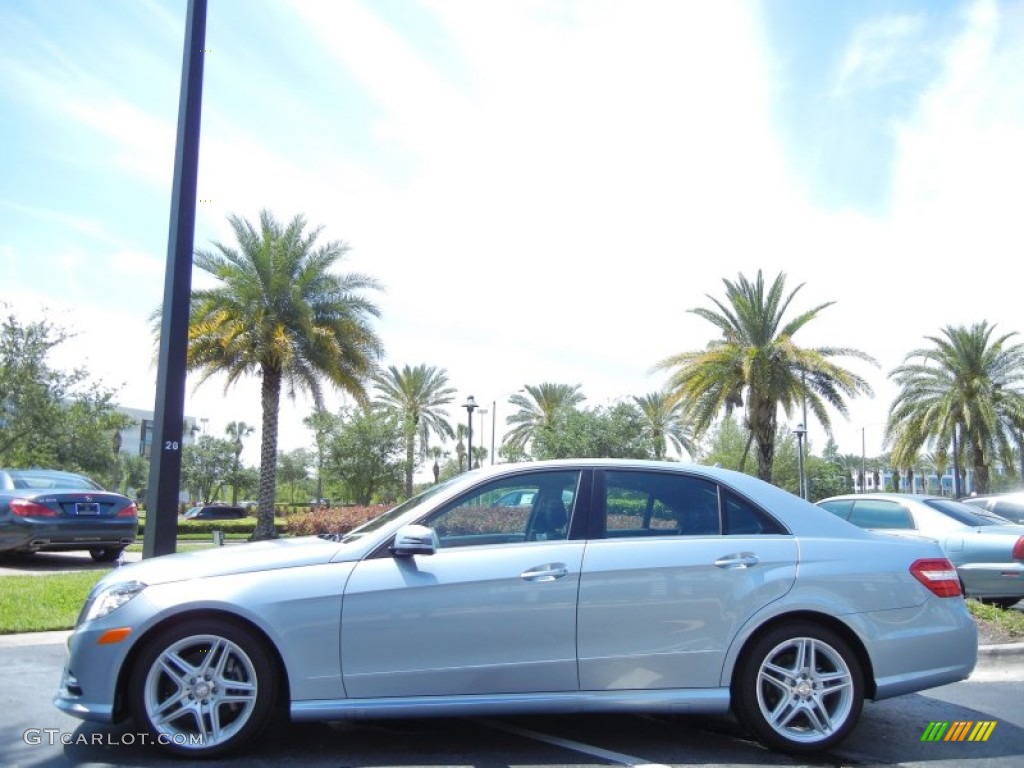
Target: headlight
column 110, row 599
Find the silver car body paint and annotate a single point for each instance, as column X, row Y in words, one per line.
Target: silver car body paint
column 634, row 624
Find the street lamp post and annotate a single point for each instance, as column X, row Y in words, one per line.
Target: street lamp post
column 800, row 431
column 470, row 406
column 483, row 440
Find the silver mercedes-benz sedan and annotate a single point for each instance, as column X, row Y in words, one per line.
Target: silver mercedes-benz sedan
column 622, row 586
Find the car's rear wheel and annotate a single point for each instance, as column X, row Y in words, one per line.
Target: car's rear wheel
column 105, row 554
column 799, row 688
column 1001, row 602
column 203, row 688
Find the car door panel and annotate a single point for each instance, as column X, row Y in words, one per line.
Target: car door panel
column 467, row 620
column 667, row 623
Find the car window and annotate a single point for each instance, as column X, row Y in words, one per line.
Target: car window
column 640, row 503
column 1013, row 511
column 744, row 519
column 46, row 480
column 495, row 513
column 963, row 513
column 840, row 508
column 877, row 513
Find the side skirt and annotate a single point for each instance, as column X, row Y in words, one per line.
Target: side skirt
column 703, row 701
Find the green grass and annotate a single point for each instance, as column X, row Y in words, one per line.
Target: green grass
column 43, row 603
column 1009, row 621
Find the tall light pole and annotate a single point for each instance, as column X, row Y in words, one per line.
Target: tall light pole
column 956, row 462
column 470, row 406
column 805, row 490
column 863, row 462
column 482, row 412
column 800, row 432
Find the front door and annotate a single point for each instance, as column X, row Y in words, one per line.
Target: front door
column 492, row 611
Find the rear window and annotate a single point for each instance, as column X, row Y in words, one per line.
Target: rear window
column 878, row 514
column 45, row 480
column 964, row 513
column 838, row 508
column 1011, row 510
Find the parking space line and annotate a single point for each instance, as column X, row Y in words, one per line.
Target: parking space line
column 576, row 746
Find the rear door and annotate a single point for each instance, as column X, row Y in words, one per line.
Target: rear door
column 677, row 565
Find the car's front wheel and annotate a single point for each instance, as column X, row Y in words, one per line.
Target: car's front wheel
column 105, row 554
column 204, row 687
column 799, row 688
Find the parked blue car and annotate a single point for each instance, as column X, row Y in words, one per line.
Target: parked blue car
column 987, row 550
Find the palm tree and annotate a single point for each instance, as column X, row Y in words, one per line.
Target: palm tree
column 460, row 445
column 756, row 365
column 237, row 430
column 965, row 392
column 538, row 408
column 280, row 311
column 664, row 423
column 415, row 396
column 852, row 465
column 936, row 462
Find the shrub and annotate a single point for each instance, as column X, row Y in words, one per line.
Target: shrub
column 331, row 519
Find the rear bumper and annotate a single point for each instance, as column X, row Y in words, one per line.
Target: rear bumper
column 913, row 649
column 47, row 536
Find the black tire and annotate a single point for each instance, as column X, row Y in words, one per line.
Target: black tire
column 203, row 688
column 799, row 688
column 105, row 554
column 1001, row 602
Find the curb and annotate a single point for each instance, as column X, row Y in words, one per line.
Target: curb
column 1001, row 652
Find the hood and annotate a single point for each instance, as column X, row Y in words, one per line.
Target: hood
column 234, row 558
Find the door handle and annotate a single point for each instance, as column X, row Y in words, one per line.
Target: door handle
column 546, row 572
column 739, row 560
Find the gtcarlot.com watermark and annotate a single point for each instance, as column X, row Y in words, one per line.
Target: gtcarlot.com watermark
column 54, row 737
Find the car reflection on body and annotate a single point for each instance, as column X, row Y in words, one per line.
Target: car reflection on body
column 46, row 510
column 987, row 550
column 658, row 587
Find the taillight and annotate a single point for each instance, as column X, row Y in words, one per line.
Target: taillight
column 939, row 575
column 130, row 511
column 26, row 508
column 1018, row 549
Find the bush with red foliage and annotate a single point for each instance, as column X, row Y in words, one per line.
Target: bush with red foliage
column 331, row 519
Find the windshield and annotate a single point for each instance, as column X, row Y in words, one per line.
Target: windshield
column 965, row 514
column 381, row 520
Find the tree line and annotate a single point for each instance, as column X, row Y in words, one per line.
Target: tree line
column 281, row 310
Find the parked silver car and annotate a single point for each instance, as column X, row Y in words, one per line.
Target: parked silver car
column 623, row 586
column 987, row 550
column 1008, row 505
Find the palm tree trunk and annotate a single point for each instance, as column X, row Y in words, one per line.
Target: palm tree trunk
column 271, row 398
column 762, row 424
column 980, row 472
column 410, row 447
column 746, row 452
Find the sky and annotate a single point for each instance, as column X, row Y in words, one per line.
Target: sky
column 544, row 189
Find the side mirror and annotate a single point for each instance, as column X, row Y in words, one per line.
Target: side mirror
column 415, row 540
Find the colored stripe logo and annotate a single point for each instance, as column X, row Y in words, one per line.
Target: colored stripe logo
column 959, row 730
